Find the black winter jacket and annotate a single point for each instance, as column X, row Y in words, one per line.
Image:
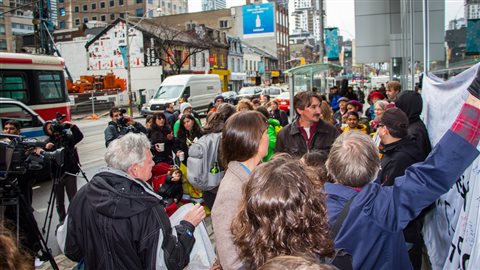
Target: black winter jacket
column 117, row 222
column 114, row 130
column 159, row 135
column 396, row 158
column 411, row 104
column 171, row 190
column 69, row 142
column 291, row 141
column 281, row 116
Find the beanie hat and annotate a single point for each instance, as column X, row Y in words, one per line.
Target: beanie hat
column 185, row 106
column 376, row 95
column 343, row 99
column 219, row 97
column 396, row 119
column 357, row 104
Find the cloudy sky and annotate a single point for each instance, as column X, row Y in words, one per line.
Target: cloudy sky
column 340, row 13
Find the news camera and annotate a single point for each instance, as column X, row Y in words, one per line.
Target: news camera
column 17, row 155
column 122, row 121
column 57, row 126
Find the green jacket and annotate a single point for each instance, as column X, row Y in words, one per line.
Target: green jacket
column 176, row 126
column 272, row 130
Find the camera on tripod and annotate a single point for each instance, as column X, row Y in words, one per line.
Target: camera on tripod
column 17, row 156
column 57, row 126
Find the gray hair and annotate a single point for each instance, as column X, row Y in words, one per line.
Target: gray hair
column 127, row 150
column 382, row 103
column 353, row 160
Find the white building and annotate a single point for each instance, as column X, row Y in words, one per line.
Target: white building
column 213, row 4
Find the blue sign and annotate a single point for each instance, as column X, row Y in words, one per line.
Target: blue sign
column 331, row 43
column 258, row 20
column 473, row 37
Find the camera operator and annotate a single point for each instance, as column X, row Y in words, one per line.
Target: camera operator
column 121, row 125
column 58, row 136
column 24, row 183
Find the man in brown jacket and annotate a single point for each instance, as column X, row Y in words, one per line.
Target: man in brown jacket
column 308, row 132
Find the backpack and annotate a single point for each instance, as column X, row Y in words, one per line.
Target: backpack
column 203, row 171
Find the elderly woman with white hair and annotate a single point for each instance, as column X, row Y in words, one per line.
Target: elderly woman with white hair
column 116, row 221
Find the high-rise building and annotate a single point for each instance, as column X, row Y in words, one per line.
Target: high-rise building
column 72, row 13
column 307, row 17
column 472, row 9
column 213, row 4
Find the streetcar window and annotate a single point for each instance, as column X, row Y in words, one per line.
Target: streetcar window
column 50, row 87
column 13, row 85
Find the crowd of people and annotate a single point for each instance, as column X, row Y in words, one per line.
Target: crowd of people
column 338, row 187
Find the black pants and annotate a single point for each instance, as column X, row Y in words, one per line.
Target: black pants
column 68, row 184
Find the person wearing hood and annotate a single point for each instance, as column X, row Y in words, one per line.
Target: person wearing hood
column 117, row 221
column 185, row 108
column 411, row 104
column 273, row 128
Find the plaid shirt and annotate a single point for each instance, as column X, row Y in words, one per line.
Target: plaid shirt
column 467, row 124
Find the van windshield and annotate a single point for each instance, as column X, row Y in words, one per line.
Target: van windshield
column 169, row 91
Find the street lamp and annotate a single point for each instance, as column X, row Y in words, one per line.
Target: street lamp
column 129, row 74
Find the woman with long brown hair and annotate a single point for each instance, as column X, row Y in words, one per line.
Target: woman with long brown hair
column 243, row 146
column 282, row 212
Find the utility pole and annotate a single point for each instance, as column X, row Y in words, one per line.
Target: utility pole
column 321, row 26
column 129, row 73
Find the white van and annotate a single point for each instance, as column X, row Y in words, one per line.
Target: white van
column 200, row 90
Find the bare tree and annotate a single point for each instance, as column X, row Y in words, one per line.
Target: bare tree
column 176, row 46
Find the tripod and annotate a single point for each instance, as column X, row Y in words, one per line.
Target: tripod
column 11, row 196
column 53, row 196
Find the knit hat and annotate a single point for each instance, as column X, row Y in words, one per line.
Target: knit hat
column 395, row 118
column 376, row 95
column 185, row 106
column 219, row 97
column 357, row 104
column 343, row 99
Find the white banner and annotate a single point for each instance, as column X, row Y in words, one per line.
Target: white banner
column 452, row 229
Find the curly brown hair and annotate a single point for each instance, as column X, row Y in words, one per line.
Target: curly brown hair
column 12, row 257
column 282, row 212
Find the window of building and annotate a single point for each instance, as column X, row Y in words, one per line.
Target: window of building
column 194, row 60
column 61, row 24
column 85, row 7
column 94, row 6
column 174, row 7
column 112, row 16
column 112, row 3
column 223, row 24
column 120, row 2
column 139, row 1
column 103, row 18
column 2, row 28
column 61, row 1
column 77, row 9
column 150, row 1
column 163, row 3
column 77, row 22
column 85, row 19
column 61, row 11
column 169, row 5
column 121, row 15
column 3, row 44
column 94, row 18
column 203, row 59
column 102, row 4
column 139, row 12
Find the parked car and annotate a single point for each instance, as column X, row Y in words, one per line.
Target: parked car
column 31, row 123
column 230, row 97
column 284, row 101
column 273, row 92
column 249, row 92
